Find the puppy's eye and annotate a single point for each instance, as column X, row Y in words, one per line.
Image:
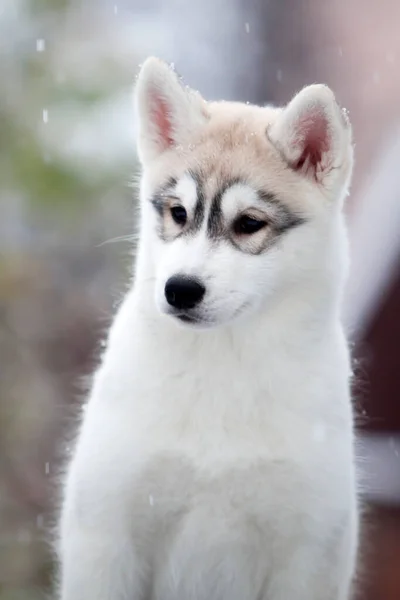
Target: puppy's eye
column 247, row 225
column 179, row 214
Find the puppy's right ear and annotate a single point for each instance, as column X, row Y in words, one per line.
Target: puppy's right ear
column 168, row 114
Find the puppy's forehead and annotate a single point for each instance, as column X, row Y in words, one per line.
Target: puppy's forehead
column 187, row 189
column 230, row 192
column 237, row 196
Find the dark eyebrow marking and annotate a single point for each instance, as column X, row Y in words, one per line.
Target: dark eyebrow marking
column 167, row 191
column 200, row 206
column 159, row 197
column 267, row 196
column 215, row 221
column 283, row 218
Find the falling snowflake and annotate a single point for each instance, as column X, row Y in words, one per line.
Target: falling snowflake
column 40, row 45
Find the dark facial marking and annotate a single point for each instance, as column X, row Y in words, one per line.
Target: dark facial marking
column 279, row 219
column 158, row 202
column 199, row 209
column 215, row 225
column 160, row 198
column 215, row 222
column 283, row 218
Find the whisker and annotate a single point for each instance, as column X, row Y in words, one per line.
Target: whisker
column 122, row 238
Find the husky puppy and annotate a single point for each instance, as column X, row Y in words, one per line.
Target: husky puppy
column 215, row 458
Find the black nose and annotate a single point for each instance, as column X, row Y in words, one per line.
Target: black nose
column 183, row 292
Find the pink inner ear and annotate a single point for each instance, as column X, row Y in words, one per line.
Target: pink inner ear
column 313, row 135
column 161, row 118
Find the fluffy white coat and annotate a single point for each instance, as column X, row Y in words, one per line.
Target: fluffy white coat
column 216, row 463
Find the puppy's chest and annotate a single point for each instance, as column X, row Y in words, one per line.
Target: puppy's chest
column 170, row 492
column 228, row 463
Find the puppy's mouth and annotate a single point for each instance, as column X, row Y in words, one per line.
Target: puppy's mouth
column 191, row 320
column 187, row 318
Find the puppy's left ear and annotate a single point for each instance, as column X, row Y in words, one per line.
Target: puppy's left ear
column 314, row 136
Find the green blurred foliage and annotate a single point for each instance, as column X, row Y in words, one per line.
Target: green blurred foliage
column 55, row 279
column 46, row 179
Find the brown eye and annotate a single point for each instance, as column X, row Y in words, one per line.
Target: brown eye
column 179, row 214
column 246, row 225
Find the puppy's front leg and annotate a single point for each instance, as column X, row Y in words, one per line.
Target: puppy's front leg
column 314, row 573
column 99, row 564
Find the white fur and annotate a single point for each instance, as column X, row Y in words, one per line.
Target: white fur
column 218, row 464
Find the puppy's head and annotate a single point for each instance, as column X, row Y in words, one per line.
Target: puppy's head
column 240, row 203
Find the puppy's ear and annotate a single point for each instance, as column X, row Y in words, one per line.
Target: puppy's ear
column 168, row 114
column 314, row 136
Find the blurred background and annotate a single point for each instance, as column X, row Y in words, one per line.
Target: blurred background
column 67, row 160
